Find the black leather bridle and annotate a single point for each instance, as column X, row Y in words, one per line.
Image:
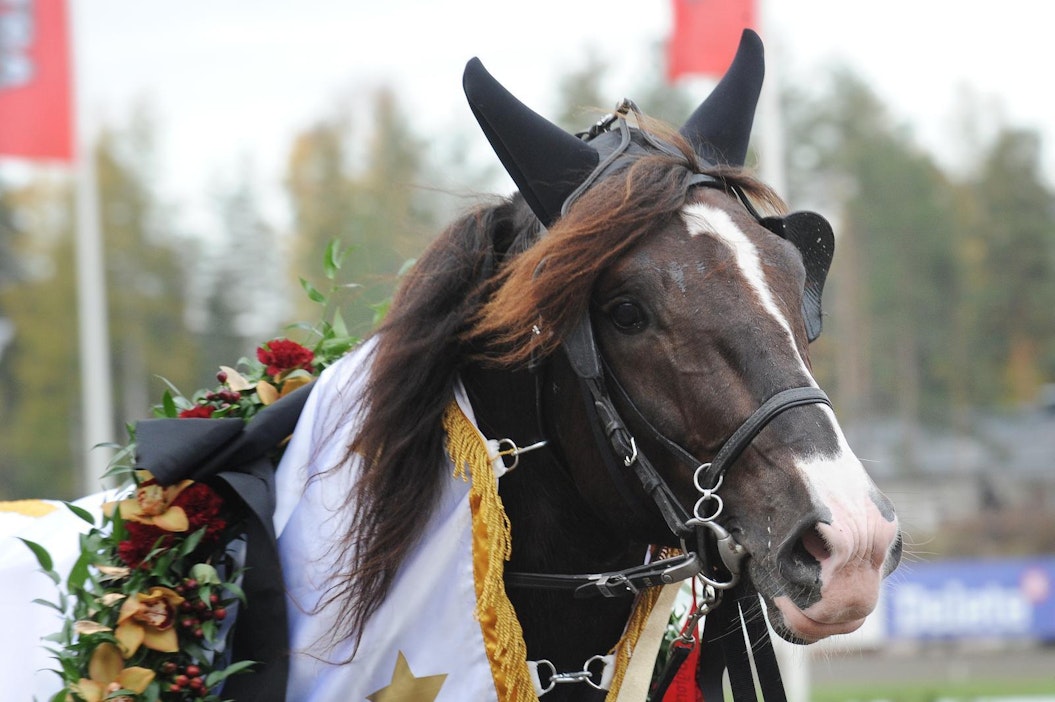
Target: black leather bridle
column 709, row 551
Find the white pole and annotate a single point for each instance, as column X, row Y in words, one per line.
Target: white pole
column 93, row 324
column 771, row 127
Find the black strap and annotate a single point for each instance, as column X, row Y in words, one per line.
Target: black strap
column 710, row 668
column 678, row 652
column 615, row 583
column 765, row 658
column 726, row 648
column 746, row 432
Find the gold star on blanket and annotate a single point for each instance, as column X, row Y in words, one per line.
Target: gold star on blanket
column 407, row 688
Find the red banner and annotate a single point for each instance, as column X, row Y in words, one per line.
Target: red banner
column 35, row 92
column 706, row 34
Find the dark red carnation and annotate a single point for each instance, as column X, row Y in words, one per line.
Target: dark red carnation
column 197, row 411
column 283, row 355
column 203, row 508
column 140, row 542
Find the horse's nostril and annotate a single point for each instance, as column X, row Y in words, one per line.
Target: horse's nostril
column 800, row 560
column 815, row 544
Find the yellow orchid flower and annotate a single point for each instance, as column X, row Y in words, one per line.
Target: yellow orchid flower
column 152, row 504
column 107, row 674
column 148, row 619
column 269, row 394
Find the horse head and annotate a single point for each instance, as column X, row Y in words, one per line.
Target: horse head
column 684, row 317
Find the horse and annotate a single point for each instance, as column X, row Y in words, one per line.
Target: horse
column 631, row 329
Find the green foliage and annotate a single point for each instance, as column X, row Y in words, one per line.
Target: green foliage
column 38, row 370
column 360, row 189
column 938, row 297
column 179, row 575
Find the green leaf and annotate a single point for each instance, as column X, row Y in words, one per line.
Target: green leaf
column 153, row 692
column 218, row 676
column 236, row 591
column 78, row 573
column 380, row 310
column 81, row 512
column 48, row 604
column 191, row 542
column 168, row 405
column 43, row 557
column 337, row 347
column 313, row 293
column 338, row 326
column 333, row 258
column 205, row 574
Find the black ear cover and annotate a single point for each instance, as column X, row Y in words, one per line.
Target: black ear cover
column 812, row 235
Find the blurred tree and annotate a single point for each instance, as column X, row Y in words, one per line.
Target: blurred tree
column 896, row 253
column 242, row 279
column 371, row 205
column 9, row 264
column 146, row 293
column 146, row 280
column 10, row 270
column 39, row 371
column 1011, row 255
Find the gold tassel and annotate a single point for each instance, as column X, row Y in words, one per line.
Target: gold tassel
column 492, row 546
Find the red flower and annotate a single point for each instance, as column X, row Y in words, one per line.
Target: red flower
column 203, row 507
column 282, row 355
column 196, row 412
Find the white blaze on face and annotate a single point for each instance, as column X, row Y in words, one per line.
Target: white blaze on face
column 705, row 219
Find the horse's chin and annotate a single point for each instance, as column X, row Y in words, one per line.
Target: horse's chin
column 793, row 624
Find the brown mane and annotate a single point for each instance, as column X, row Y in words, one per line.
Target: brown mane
column 474, row 297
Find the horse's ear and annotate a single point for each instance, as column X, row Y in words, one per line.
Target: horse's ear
column 546, row 162
column 720, row 128
column 812, row 235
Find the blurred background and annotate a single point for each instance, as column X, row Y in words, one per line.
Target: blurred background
column 219, row 147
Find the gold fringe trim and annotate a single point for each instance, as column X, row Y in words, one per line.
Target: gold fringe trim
column 624, row 648
column 492, row 546
column 29, row 508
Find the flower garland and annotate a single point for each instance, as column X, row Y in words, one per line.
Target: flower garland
column 148, row 603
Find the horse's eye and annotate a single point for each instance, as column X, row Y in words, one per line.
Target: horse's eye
column 628, row 317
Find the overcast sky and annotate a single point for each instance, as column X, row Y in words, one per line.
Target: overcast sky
column 234, row 79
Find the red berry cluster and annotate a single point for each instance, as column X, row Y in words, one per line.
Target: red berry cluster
column 195, row 609
column 184, row 679
column 199, row 606
column 223, row 398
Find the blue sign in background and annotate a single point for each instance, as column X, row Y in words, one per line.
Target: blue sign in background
column 1005, row 598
